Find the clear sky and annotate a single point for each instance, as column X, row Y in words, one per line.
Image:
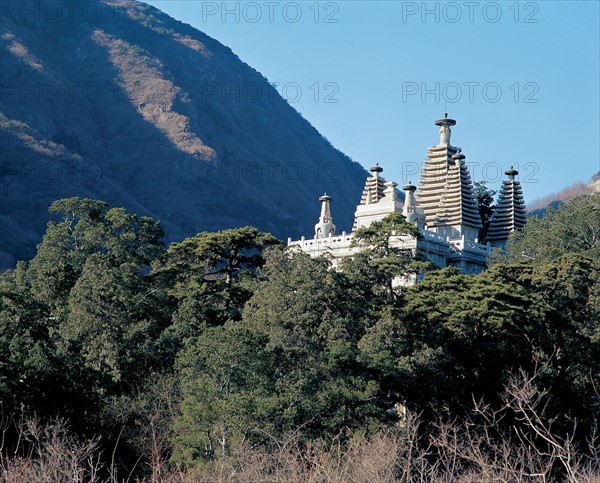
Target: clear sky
column 521, row 78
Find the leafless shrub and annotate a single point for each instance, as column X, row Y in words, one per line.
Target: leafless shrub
column 50, row 453
column 483, row 448
column 515, row 443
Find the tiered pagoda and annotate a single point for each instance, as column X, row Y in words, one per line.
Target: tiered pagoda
column 443, row 207
column 445, row 189
column 510, row 214
column 434, row 171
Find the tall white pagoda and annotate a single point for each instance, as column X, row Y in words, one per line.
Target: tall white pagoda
column 445, row 189
column 442, row 206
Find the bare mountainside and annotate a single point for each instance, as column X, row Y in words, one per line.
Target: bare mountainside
column 115, row 100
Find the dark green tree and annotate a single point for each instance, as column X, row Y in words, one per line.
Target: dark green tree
column 290, row 363
column 435, row 350
column 111, row 323
column 381, row 243
column 211, row 276
column 485, row 204
column 80, row 321
column 571, row 228
column 34, row 377
column 88, row 227
column 458, row 336
column 228, row 380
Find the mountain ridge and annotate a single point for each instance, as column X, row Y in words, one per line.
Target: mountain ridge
column 539, row 206
column 146, row 112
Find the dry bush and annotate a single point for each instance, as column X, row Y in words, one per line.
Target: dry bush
column 49, row 454
column 481, row 449
column 527, row 451
column 378, row 458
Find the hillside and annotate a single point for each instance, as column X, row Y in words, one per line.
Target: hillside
column 538, row 207
column 115, row 100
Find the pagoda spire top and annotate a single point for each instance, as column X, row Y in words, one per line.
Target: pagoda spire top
column 376, row 170
column 458, row 157
column 445, row 132
column 511, row 173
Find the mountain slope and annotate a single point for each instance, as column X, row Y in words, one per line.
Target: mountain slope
column 115, row 100
column 539, row 207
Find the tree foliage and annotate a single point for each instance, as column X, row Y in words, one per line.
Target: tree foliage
column 382, row 243
column 223, row 341
column 485, row 204
column 571, row 228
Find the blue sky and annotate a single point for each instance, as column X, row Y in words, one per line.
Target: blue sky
column 521, row 78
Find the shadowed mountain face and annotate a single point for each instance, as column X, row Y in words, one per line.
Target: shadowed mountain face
column 114, row 100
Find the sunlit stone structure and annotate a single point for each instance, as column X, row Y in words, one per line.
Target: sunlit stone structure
column 442, row 206
column 325, row 226
column 510, row 213
column 379, row 199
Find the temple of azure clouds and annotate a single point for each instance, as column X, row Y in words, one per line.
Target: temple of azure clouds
column 442, row 206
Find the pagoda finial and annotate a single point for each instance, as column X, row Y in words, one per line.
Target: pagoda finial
column 409, row 187
column 376, row 170
column 511, row 173
column 445, row 131
column 458, row 157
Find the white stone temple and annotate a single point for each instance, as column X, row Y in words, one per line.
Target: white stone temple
column 443, row 207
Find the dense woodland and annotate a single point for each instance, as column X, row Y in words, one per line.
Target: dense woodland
column 227, row 357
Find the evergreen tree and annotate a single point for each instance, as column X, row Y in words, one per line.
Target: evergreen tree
column 485, row 204
column 211, row 276
column 571, row 228
column 379, row 241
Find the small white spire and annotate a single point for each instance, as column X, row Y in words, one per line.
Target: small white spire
column 325, row 226
column 410, row 202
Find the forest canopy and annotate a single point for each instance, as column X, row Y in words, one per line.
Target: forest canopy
column 179, row 359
